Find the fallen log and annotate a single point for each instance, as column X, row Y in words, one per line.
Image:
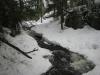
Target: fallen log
column 16, row 48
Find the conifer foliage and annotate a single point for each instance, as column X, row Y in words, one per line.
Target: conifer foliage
column 76, row 13
column 13, row 12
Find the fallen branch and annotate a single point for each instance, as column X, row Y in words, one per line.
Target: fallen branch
column 32, row 51
column 16, row 48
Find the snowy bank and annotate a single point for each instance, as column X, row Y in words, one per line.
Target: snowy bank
column 83, row 41
column 14, row 63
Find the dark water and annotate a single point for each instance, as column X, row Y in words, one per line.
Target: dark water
column 64, row 62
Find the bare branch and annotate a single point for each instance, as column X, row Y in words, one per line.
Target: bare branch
column 16, row 48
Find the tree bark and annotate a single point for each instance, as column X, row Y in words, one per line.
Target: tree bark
column 62, row 17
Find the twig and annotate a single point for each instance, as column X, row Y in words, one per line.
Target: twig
column 32, row 51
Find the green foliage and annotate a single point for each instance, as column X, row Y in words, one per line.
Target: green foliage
column 32, row 9
column 9, row 14
column 13, row 12
column 75, row 12
column 74, row 20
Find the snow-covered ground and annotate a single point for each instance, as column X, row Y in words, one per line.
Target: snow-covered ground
column 84, row 41
column 14, row 63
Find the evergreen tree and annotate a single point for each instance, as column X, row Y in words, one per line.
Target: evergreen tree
column 13, row 12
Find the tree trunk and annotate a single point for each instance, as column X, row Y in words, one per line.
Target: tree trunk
column 62, row 17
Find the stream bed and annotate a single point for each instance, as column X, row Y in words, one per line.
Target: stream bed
column 64, row 62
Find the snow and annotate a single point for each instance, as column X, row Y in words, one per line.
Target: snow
column 84, row 41
column 44, row 19
column 14, row 63
column 45, row 3
column 29, row 23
